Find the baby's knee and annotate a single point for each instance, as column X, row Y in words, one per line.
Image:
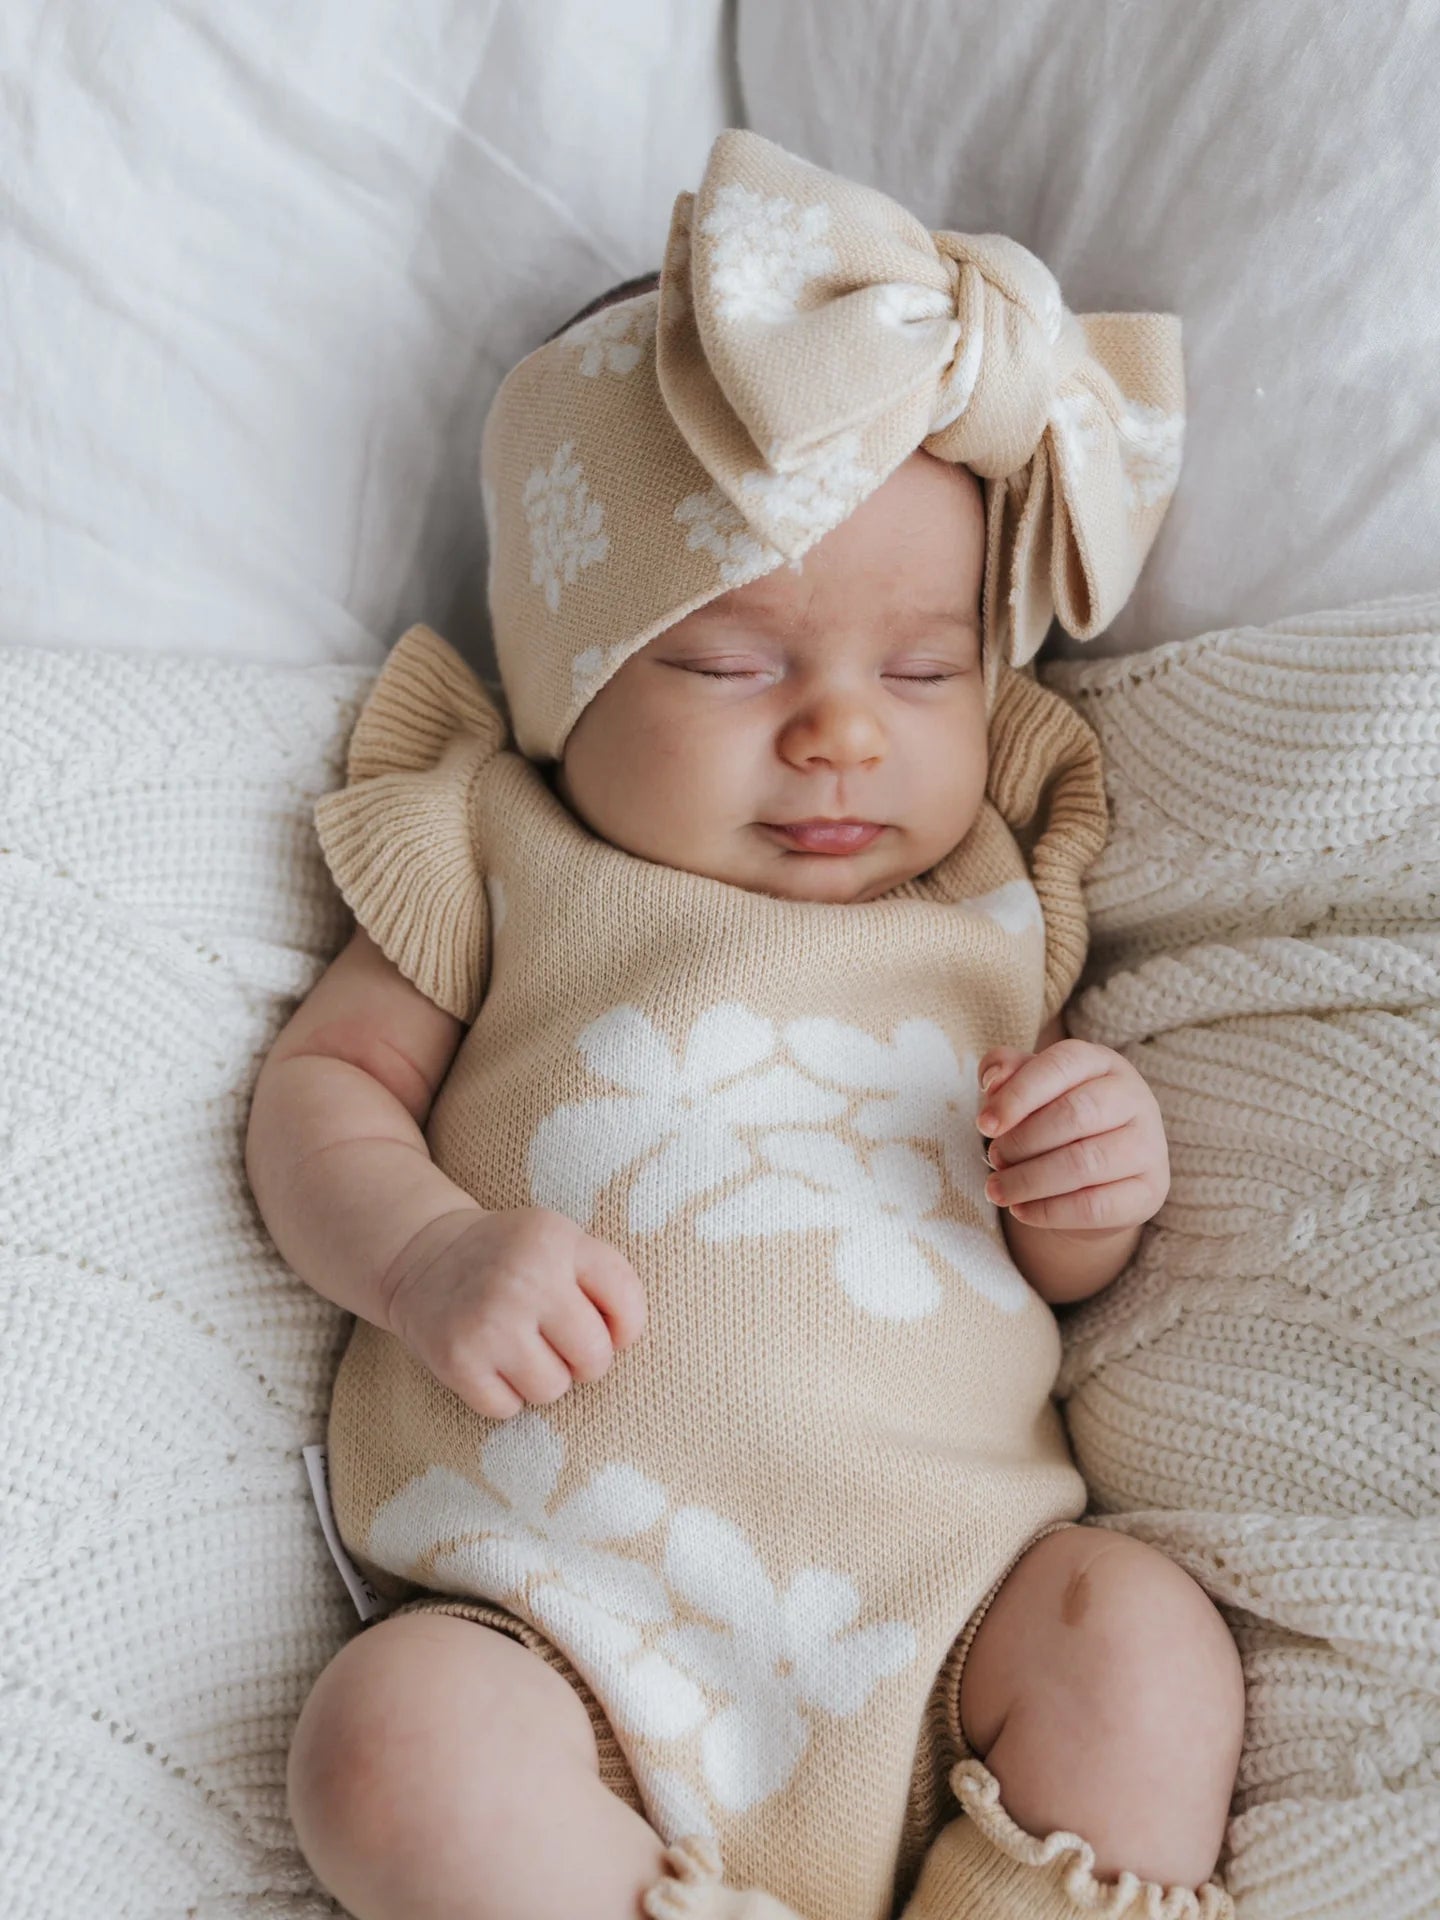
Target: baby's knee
column 335, row 1772
column 1109, row 1692
column 416, row 1723
column 1145, row 1649
column 1107, row 1633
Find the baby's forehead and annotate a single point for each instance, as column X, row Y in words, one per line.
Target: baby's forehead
column 893, row 605
column 895, row 608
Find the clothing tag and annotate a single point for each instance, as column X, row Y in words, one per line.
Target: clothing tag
column 367, row 1602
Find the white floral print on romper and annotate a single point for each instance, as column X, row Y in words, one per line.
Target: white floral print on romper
column 726, row 1078
column 774, row 1658
column 675, row 1104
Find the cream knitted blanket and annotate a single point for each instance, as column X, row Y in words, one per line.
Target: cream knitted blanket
column 166, row 1594
column 1259, row 1393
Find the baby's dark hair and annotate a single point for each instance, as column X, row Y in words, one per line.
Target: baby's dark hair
column 626, row 290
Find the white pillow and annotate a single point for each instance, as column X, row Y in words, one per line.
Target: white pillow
column 264, row 266
column 1266, row 172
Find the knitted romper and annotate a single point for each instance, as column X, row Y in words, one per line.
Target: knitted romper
column 759, row 1545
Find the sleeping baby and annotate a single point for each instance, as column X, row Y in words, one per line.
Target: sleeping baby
column 691, row 1127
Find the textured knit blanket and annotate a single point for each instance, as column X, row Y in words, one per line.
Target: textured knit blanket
column 1258, row 1393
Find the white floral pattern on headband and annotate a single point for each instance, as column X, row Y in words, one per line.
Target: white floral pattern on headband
column 566, row 524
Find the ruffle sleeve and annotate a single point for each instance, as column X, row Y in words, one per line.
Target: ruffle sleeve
column 400, row 835
column 1047, row 781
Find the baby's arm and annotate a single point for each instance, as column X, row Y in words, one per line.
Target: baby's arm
column 1078, row 1136
column 334, row 1151
column 503, row 1307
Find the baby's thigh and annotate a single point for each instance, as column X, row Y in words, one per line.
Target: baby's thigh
column 423, row 1729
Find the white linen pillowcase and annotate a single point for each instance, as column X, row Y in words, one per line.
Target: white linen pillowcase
column 264, row 267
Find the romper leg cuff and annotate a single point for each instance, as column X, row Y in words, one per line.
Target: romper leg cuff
column 984, row 1866
column 691, row 1889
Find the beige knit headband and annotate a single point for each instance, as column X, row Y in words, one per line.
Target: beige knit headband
column 807, row 336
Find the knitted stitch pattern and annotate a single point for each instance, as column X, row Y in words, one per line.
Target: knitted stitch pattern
column 1259, row 1394
column 758, row 1536
column 167, row 1596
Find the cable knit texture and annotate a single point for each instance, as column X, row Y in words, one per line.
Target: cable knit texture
column 1258, row 1393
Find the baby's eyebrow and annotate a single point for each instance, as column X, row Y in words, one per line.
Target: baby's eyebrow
column 931, row 617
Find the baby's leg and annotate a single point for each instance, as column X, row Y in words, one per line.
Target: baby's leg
column 1104, row 1693
column 441, row 1771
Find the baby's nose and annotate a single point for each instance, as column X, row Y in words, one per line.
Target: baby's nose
column 836, row 728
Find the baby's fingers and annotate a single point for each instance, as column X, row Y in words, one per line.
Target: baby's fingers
column 533, row 1368
column 491, row 1395
column 1093, row 1107
column 1040, row 1078
column 1119, row 1203
column 607, row 1277
column 996, row 1065
column 1092, row 1162
column 580, row 1335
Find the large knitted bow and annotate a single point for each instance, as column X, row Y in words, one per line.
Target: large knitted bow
column 813, row 334
column 808, row 336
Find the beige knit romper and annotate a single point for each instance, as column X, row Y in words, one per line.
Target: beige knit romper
column 759, row 1544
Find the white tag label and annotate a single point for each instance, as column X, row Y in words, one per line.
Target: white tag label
column 367, row 1602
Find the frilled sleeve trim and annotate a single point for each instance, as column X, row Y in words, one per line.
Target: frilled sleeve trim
column 1046, row 769
column 399, row 837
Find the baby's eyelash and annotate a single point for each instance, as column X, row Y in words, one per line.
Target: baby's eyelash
column 927, row 679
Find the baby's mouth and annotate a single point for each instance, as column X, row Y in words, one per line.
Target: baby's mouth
column 825, row 836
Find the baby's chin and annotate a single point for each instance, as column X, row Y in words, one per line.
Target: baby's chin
column 836, row 879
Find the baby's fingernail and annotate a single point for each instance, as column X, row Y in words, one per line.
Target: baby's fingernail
column 986, row 1077
column 986, row 1122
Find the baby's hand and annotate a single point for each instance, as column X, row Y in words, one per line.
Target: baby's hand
column 513, row 1306
column 1082, row 1143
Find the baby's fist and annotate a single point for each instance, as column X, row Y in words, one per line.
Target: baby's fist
column 513, row 1307
column 1076, row 1137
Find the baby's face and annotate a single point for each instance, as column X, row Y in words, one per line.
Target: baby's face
column 852, row 691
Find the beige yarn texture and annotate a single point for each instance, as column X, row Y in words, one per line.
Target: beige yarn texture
column 759, row 1534
column 808, row 334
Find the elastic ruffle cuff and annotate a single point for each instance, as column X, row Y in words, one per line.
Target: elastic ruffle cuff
column 692, row 1889
column 1070, row 1879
